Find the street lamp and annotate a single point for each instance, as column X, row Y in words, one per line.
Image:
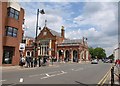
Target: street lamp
column 84, row 46
column 42, row 12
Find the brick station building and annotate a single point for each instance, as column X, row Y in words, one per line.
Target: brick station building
column 11, row 32
column 54, row 45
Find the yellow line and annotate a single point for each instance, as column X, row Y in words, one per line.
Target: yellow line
column 105, row 79
column 102, row 80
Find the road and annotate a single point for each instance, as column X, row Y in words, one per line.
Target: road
column 63, row 73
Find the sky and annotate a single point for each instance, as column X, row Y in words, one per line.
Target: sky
column 96, row 20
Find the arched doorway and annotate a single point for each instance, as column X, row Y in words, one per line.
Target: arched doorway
column 60, row 55
column 67, row 56
column 28, row 53
column 75, row 56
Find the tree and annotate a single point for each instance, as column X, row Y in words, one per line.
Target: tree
column 91, row 51
column 97, row 53
column 111, row 57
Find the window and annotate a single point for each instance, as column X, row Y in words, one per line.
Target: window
column 13, row 13
column 45, row 33
column 8, row 55
column 11, row 31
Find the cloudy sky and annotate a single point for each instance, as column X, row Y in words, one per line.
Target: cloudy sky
column 98, row 21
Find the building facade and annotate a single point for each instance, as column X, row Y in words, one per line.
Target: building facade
column 116, row 53
column 11, row 32
column 29, row 46
column 73, row 50
column 47, row 42
column 54, row 45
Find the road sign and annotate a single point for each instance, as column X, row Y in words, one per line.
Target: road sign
column 22, row 47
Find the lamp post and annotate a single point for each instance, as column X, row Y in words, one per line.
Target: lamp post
column 84, row 47
column 42, row 12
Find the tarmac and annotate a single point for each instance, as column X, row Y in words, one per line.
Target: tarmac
column 55, row 64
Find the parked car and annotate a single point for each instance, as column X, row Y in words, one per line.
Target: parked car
column 95, row 61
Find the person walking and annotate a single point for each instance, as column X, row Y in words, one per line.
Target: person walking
column 31, row 61
column 39, row 59
column 35, row 62
column 28, row 61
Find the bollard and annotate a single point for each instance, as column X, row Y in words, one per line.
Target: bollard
column 112, row 76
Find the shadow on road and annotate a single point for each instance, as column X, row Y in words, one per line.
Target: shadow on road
column 82, row 84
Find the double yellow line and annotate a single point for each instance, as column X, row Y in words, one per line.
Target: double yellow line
column 102, row 81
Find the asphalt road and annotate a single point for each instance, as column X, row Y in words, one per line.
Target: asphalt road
column 63, row 73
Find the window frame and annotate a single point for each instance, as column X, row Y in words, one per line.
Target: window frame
column 13, row 13
column 13, row 32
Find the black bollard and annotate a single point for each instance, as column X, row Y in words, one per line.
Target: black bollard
column 112, row 76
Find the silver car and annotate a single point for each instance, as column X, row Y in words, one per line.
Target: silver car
column 95, row 61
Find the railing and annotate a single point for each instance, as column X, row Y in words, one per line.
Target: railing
column 112, row 76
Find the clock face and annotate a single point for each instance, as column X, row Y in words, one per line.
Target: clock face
column 44, row 33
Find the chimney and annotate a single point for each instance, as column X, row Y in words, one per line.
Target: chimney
column 62, row 32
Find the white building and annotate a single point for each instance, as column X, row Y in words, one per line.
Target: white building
column 116, row 52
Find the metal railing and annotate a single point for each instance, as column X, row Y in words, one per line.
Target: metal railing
column 112, row 76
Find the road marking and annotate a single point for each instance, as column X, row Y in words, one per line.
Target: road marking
column 2, row 80
column 101, row 82
column 77, row 69
column 54, row 75
column 47, row 75
column 42, row 74
column 72, row 69
column 21, row 80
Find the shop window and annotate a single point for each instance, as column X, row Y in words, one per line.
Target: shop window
column 11, row 31
column 8, row 55
column 13, row 13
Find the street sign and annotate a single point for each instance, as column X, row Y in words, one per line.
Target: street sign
column 22, row 47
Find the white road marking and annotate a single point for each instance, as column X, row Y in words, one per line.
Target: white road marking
column 54, row 75
column 62, row 71
column 2, row 80
column 77, row 69
column 21, row 80
column 72, row 69
column 47, row 75
column 42, row 74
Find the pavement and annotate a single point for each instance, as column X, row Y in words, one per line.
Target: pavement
column 116, row 79
column 55, row 64
column 60, row 73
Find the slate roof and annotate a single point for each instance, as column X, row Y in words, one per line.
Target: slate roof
column 73, row 41
column 55, row 33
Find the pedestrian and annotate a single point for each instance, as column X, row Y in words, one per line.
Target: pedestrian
column 39, row 59
column 31, row 61
column 22, row 61
column 35, row 62
column 28, row 61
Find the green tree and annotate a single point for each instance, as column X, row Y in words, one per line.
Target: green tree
column 97, row 53
column 111, row 57
column 91, row 51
